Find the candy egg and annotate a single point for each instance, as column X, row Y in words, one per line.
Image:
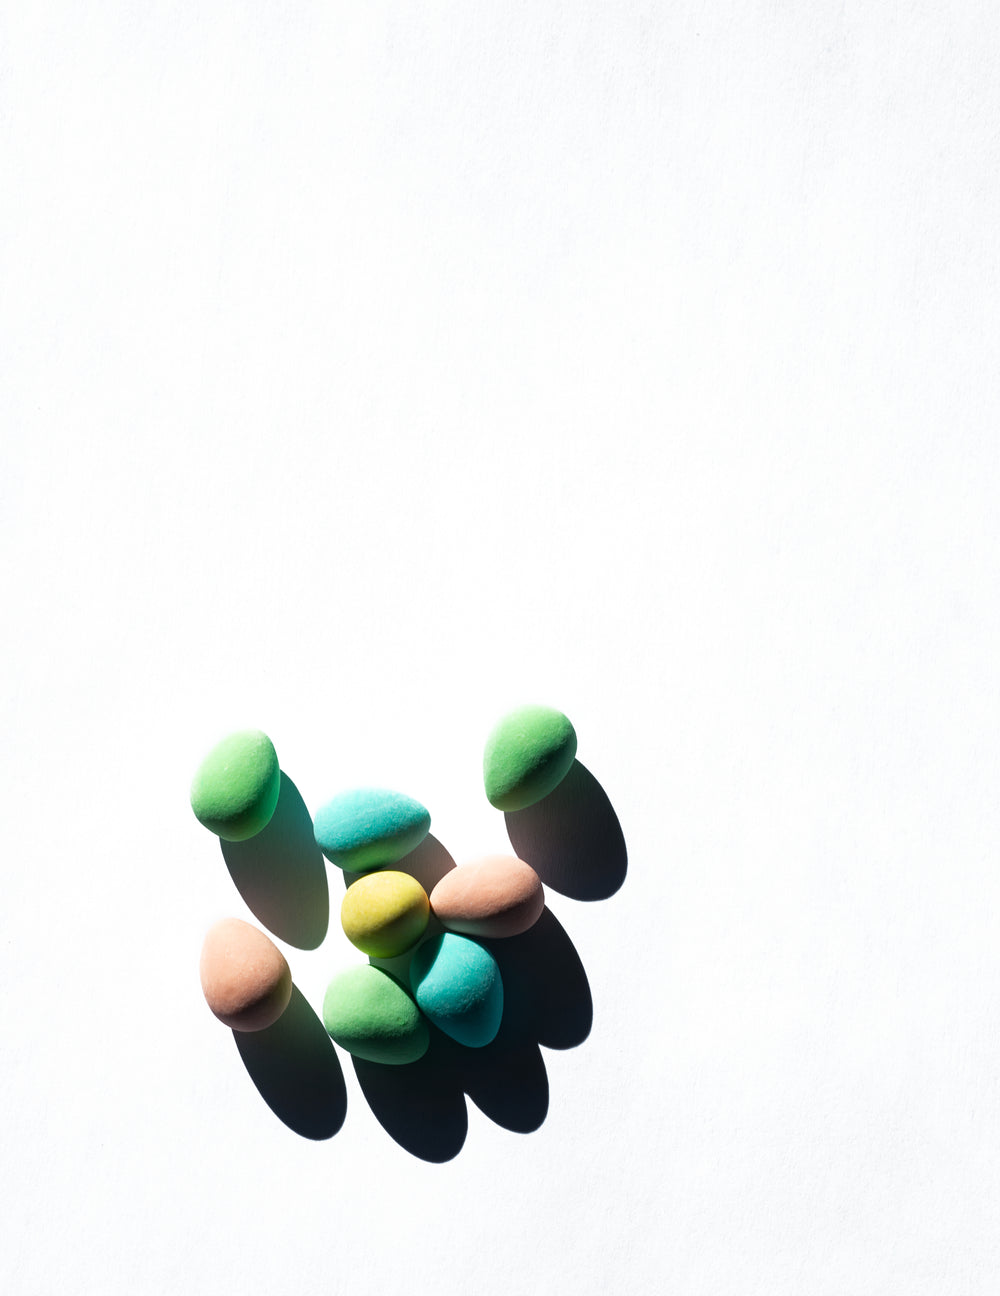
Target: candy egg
column 368, row 1013
column 527, row 756
column 457, row 984
column 368, row 828
column 497, row 896
column 235, row 789
column 244, row 976
column 385, row 913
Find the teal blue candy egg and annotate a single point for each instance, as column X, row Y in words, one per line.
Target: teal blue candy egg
column 369, row 828
column 456, row 983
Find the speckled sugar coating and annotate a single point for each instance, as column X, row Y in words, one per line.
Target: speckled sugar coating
column 384, row 913
column 527, row 756
column 368, row 1013
column 496, row 896
column 245, row 978
column 457, row 984
column 235, row 789
column 369, row 828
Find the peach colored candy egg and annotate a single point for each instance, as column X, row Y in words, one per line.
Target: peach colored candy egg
column 245, row 978
column 496, row 896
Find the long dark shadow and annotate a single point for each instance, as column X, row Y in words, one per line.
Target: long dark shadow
column 281, row 873
column 296, row 1070
column 507, row 1081
column 572, row 838
column 420, row 1105
column 546, row 994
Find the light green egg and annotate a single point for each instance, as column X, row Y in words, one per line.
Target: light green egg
column 527, row 756
column 368, row 1013
column 235, row 789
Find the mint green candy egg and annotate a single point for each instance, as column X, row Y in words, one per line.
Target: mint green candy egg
column 235, row 790
column 368, row 1013
column 527, row 756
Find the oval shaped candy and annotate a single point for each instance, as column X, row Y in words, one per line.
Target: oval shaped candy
column 527, row 756
column 244, row 976
column 384, row 914
column 368, row 828
column 457, row 984
column 497, row 896
column 236, row 786
column 367, row 1012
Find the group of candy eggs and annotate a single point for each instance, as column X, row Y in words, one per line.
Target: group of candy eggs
column 454, row 980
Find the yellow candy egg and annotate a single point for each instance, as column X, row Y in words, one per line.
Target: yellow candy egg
column 385, row 914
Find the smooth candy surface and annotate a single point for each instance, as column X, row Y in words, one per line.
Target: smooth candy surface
column 368, row 828
column 369, row 1014
column 527, row 756
column 236, row 787
column 244, row 976
column 497, row 896
column 384, row 914
column 457, row 984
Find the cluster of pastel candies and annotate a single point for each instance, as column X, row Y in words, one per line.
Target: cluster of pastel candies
column 454, row 981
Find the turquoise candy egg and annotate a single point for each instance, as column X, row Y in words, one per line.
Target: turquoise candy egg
column 368, row 828
column 456, row 982
column 368, row 1013
column 527, row 756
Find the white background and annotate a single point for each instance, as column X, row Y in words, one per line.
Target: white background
column 370, row 369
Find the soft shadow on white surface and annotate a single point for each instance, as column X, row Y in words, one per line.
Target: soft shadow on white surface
column 281, row 874
column 572, row 838
column 296, row 1070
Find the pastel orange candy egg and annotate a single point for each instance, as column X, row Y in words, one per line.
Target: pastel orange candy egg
column 496, row 896
column 245, row 978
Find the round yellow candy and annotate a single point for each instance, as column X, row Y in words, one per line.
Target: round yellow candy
column 385, row 913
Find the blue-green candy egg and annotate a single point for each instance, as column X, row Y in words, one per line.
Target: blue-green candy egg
column 456, row 983
column 368, row 828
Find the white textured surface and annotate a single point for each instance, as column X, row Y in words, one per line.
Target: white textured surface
column 370, row 369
